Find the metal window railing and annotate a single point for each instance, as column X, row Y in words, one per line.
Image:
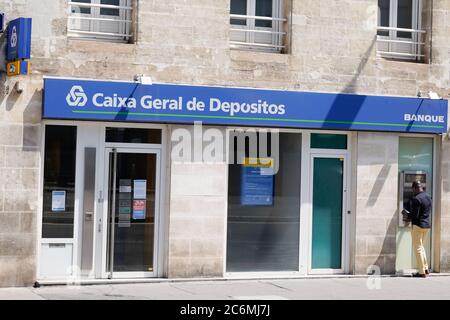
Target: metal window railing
column 94, row 25
column 250, row 36
column 394, row 46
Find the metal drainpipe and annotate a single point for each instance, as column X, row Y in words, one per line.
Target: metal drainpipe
column 136, row 21
column 431, row 33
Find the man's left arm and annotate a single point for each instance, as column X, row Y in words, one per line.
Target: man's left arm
column 415, row 209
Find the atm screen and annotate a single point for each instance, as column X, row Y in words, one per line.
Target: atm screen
column 411, row 177
column 408, row 181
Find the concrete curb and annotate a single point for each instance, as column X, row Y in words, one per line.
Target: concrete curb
column 228, row 279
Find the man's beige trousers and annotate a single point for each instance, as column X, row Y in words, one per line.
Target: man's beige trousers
column 418, row 237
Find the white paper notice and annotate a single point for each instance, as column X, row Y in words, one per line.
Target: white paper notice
column 140, row 189
column 125, row 189
column 58, row 201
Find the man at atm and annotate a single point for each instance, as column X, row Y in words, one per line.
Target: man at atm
column 420, row 215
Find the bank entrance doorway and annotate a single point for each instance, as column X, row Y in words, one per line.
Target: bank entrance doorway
column 132, row 185
column 102, row 192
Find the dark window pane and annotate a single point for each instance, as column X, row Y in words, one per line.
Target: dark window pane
column 133, row 226
column 264, row 209
column 328, row 141
column 133, row 135
column 383, row 16
column 264, row 9
column 109, row 11
column 404, row 17
column 83, row 10
column 238, row 7
column 59, row 181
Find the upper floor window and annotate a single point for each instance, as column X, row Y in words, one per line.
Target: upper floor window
column 257, row 25
column 100, row 19
column 399, row 29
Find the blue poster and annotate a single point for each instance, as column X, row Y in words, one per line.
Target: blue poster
column 58, row 201
column 256, row 186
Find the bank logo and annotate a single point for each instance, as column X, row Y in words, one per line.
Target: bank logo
column 76, row 97
column 14, row 37
column 12, row 68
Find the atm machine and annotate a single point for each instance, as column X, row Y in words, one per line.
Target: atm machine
column 405, row 193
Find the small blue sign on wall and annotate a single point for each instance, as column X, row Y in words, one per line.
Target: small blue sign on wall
column 18, row 36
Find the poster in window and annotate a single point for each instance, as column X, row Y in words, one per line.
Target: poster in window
column 58, row 201
column 257, row 181
column 125, row 185
column 139, row 209
column 140, row 189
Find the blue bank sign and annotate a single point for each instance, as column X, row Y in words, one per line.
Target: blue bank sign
column 165, row 103
column 18, row 38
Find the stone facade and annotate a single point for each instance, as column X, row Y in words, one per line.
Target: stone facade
column 331, row 49
column 19, row 176
column 376, row 202
column 444, row 226
column 198, row 202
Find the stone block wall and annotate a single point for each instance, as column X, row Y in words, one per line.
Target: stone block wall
column 376, row 203
column 19, row 176
column 198, row 202
column 444, row 232
column 332, row 49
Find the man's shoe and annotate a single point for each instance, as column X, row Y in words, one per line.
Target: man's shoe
column 419, row 275
column 427, row 272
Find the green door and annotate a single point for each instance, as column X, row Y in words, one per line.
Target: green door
column 327, row 213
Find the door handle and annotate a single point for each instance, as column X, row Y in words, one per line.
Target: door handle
column 99, row 225
column 100, row 196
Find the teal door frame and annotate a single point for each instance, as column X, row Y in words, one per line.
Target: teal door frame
column 345, row 243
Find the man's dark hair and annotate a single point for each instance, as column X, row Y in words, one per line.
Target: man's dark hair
column 417, row 185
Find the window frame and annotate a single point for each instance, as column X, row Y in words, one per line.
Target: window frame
column 96, row 21
column 267, row 39
column 394, row 46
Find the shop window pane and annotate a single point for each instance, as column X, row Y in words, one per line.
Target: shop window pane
column 264, row 210
column 264, row 9
column 59, row 182
column 383, row 16
column 109, row 11
column 414, row 154
column 83, row 10
column 328, row 141
column 133, row 135
column 404, row 17
column 238, row 7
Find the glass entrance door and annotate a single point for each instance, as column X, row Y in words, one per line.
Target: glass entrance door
column 133, row 206
column 328, row 219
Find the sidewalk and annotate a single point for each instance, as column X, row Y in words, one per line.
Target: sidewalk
column 435, row 287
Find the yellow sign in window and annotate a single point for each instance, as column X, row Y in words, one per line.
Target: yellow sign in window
column 258, row 162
